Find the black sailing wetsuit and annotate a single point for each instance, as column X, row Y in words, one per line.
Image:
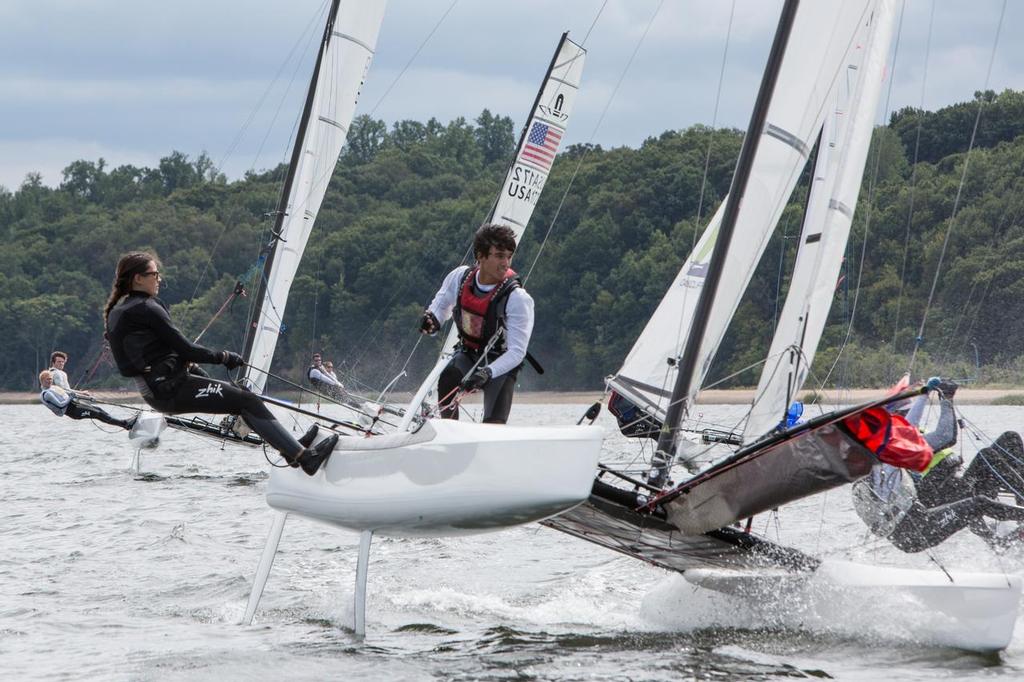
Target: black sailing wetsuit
column 147, row 346
column 939, row 503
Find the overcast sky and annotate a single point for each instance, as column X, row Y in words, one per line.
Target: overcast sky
column 132, row 81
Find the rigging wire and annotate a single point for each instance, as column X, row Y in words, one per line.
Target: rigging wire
column 913, row 174
column 594, row 22
column 380, row 100
column 593, row 134
column 413, row 57
column 438, row 248
column 266, row 93
column 965, row 307
column 868, row 204
column 299, row 206
column 1004, row 218
column 978, row 307
column 714, row 125
column 252, row 115
column 668, row 375
column 959, row 191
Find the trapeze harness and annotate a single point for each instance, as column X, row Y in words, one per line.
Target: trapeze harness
column 479, row 314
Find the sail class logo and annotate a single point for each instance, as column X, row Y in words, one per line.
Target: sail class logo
column 555, row 110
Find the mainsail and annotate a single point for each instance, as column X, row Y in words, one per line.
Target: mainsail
column 825, row 231
column 822, row 36
column 346, row 50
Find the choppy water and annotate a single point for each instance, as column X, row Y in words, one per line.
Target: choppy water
column 105, row 574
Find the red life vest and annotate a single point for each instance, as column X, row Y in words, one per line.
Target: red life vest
column 476, row 317
column 891, row 437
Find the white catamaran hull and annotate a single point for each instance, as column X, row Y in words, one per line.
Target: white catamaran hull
column 976, row 611
column 450, row 478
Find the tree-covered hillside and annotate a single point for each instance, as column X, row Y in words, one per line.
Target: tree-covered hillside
column 404, row 202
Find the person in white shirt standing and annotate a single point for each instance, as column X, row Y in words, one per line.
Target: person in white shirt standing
column 58, row 359
column 493, row 315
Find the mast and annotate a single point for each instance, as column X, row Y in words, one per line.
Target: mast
column 665, row 452
column 289, row 181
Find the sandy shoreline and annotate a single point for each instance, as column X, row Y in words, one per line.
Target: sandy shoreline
column 738, row 396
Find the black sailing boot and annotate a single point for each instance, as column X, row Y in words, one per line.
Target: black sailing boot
column 309, row 435
column 311, row 459
column 277, row 437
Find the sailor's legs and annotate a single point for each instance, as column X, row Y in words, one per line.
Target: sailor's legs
column 77, row 410
column 201, row 394
column 497, row 393
column 998, row 467
column 449, row 381
column 924, row 528
column 498, row 397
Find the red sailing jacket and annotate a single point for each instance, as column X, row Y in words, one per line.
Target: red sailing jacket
column 892, row 438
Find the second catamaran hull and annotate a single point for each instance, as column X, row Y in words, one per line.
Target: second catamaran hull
column 450, row 478
column 976, row 611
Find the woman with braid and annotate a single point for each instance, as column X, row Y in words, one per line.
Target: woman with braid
column 149, row 348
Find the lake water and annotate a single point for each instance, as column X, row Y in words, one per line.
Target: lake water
column 108, row 574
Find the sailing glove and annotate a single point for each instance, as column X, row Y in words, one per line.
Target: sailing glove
column 947, row 388
column 429, row 324
column 478, row 379
column 232, row 360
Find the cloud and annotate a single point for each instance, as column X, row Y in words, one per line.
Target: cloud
column 139, row 80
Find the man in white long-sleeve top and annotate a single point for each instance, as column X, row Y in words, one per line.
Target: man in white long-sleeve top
column 491, row 310
column 58, row 359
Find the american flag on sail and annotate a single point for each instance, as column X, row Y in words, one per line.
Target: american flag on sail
column 541, row 145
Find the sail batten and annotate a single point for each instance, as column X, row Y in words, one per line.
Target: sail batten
column 789, row 138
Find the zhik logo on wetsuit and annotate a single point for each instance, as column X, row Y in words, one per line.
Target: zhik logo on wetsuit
column 208, row 390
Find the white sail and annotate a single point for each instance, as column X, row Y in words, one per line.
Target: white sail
column 824, row 32
column 542, row 136
column 825, row 232
column 346, row 57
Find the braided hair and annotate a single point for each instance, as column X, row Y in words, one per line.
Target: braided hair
column 128, row 266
